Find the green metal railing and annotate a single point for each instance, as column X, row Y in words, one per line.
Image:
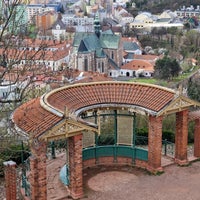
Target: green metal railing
column 115, row 151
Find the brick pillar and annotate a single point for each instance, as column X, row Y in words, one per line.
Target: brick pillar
column 11, row 180
column 75, row 166
column 181, row 137
column 37, row 177
column 155, row 144
column 197, row 138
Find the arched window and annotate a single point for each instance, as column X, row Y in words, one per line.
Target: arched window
column 102, row 69
column 112, row 55
column 85, row 64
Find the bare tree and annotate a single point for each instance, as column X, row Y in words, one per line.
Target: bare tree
column 24, row 59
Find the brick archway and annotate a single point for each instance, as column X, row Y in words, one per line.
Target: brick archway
column 58, row 115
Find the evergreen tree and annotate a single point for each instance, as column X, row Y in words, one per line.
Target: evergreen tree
column 166, row 68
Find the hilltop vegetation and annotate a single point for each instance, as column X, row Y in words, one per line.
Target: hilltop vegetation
column 158, row 6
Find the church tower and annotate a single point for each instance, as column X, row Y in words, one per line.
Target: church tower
column 97, row 25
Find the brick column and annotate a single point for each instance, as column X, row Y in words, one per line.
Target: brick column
column 11, row 180
column 75, row 166
column 37, row 177
column 155, row 144
column 197, row 138
column 181, row 137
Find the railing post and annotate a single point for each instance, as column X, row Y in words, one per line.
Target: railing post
column 96, row 136
column 115, row 135
column 134, row 138
column 165, row 145
column 67, row 163
column 53, row 154
column 23, row 166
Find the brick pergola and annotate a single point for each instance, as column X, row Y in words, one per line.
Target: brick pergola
column 56, row 115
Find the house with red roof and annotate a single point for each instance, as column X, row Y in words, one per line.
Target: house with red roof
column 137, row 68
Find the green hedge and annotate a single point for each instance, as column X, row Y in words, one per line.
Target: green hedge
column 14, row 153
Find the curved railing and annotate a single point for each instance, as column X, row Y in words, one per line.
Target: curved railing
column 115, row 151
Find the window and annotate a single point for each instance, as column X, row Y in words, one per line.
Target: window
column 112, row 55
column 102, row 67
column 85, row 64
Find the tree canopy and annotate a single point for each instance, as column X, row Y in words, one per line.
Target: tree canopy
column 194, row 89
column 166, row 68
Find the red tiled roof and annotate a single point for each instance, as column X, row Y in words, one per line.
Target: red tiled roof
column 78, row 96
column 34, row 117
column 194, row 115
column 138, row 64
column 146, row 57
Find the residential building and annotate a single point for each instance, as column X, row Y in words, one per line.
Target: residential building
column 186, row 12
column 146, row 21
column 122, row 16
column 82, row 24
column 45, row 20
column 43, row 53
column 137, row 68
column 59, row 29
column 35, row 9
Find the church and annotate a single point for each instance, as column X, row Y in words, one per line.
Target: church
column 98, row 51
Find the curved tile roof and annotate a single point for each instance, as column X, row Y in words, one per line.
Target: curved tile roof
column 34, row 119
column 76, row 97
column 194, row 115
column 38, row 115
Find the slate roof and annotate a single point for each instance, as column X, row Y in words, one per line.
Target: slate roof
column 60, row 23
column 89, row 42
column 78, row 37
column 130, row 46
column 109, row 41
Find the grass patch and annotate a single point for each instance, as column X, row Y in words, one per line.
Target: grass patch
column 150, row 81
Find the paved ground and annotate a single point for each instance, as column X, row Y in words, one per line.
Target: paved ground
column 177, row 183
column 103, row 183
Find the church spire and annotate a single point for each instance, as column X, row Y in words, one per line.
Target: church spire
column 97, row 25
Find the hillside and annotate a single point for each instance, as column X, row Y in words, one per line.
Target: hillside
column 158, row 6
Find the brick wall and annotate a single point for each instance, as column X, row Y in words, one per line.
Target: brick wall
column 155, row 143
column 181, row 137
column 75, row 166
column 197, row 138
column 37, row 177
column 110, row 161
column 10, row 180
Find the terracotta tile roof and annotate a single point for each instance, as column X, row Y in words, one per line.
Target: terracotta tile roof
column 194, row 115
column 146, row 57
column 79, row 96
column 93, row 77
column 33, row 119
column 139, row 64
column 44, row 50
column 38, row 115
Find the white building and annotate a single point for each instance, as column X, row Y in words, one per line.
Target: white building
column 34, row 9
column 82, row 24
column 188, row 12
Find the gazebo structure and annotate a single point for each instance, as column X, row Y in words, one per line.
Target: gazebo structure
column 62, row 114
